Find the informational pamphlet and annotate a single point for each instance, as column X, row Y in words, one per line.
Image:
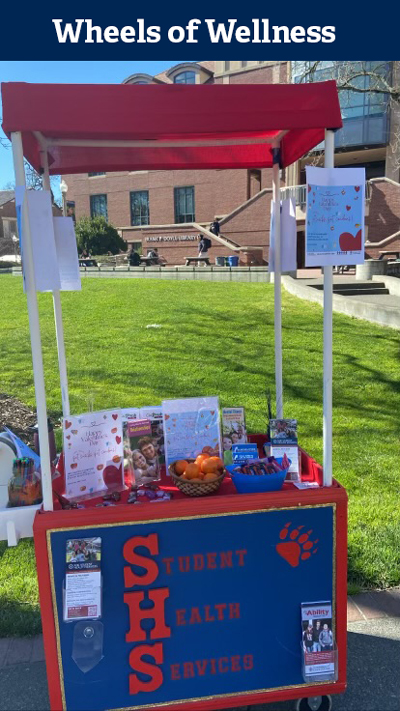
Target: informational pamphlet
column 318, row 642
column 93, row 450
column 335, row 216
column 82, row 595
column 233, row 430
column 154, row 414
column 244, row 452
column 288, row 239
column 191, row 426
column 67, row 253
column 284, row 441
column 143, row 455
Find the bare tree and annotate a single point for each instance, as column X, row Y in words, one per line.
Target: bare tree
column 379, row 80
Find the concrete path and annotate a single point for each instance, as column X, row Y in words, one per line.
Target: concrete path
column 373, row 669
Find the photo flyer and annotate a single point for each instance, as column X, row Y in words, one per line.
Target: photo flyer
column 284, row 441
column 143, row 453
column 93, row 450
column 191, row 427
column 233, row 430
column 82, row 594
column 317, row 641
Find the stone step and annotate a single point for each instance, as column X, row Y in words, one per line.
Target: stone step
column 360, row 292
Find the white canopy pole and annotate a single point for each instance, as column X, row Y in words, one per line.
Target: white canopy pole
column 276, row 206
column 62, row 362
column 34, row 328
column 328, row 298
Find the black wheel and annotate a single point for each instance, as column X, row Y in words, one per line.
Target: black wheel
column 315, row 703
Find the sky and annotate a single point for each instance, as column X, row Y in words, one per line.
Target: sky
column 72, row 73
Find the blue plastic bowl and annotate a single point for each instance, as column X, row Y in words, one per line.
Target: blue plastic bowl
column 248, row 484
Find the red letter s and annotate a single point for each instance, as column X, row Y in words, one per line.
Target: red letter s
column 138, row 665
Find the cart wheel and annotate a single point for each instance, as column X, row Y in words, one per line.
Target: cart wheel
column 314, row 703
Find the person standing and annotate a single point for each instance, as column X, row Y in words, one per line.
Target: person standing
column 214, row 227
column 204, row 246
column 326, row 639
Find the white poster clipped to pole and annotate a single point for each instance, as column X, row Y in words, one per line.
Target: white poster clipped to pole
column 335, row 216
column 67, row 254
column 288, row 238
column 40, row 215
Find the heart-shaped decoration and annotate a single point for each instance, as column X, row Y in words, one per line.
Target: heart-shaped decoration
column 116, row 459
column 115, row 417
column 68, row 424
column 343, row 192
column 74, row 431
column 100, row 467
column 83, row 488
column 349, row 242
column 357, row 188
column 73, row 466
column 118, row 440
column 213, row 412
column 114, row 430
column 309, row 188
column 166, row 417
column 68, row 436
column 348, row 207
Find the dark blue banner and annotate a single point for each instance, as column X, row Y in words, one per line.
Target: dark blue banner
column 73, row 31
column 196, row 608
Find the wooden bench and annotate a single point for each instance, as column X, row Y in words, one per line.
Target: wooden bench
column 189, row 260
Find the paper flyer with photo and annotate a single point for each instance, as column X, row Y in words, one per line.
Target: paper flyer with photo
column 191, row 426
column 143, row 452
column 335, row 216
column 284, row 441
column 318, row 641
column 82, row 595
column 154, row 414
column 233, row 430
column 93, row 450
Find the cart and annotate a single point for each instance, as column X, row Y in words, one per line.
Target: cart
column 200, row 597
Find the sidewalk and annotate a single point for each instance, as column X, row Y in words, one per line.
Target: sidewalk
column 373, row 668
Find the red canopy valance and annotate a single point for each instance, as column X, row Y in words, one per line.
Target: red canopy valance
column 90, row 128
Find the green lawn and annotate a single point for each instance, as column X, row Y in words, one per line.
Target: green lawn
column 218, row 339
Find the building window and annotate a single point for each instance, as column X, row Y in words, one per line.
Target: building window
column 184, row 204
column 227, row 66
column 140, row 207
column 91, row 175
column 253, row 182
column 185, row 78
column 98, row 206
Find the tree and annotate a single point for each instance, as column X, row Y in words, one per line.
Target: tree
column 97, row 236
column 380, row 81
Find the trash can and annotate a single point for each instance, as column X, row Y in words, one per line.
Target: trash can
column 233, row 261
column 220, row 261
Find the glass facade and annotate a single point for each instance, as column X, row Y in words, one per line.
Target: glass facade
column 98, row 206
column 364, row 109
column 140, row 214
column 184, row 204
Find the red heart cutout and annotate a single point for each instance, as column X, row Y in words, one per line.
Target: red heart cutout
column 73, row 466
column 68, row 436
column 100, row 467
column 115, row 417
column 348, row 207
column 114, row 430
column 166, row 417
column 349, row 242
column 67, row 424
column 357, row 188
column 309, row 188
column 118, row 440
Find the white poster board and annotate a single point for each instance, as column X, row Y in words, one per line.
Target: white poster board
column 191, row 427
column 335, row 216
column 40, row 215
column 288, row 237
column 67, row 254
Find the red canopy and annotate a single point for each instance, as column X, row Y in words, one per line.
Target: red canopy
column 117, row 127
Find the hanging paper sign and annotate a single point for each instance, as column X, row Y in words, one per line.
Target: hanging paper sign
column 335, row 216
column 40, row 216
column 67, row 254
column 288, row 237
column 191, row 427
column 93, row 450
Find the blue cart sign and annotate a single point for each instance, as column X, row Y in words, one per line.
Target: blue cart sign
column 193, row 608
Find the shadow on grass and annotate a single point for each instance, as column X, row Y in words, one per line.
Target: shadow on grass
column 19, row 619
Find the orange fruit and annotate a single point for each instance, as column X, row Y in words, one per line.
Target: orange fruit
column 192, row 471
column 207, row 450
column 201, row 458
column 210, row 476
column 183, row 476
column 211, row 465
column 180, row 466
column 196, row 480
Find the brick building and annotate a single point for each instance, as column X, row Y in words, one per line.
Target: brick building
column 169, row 209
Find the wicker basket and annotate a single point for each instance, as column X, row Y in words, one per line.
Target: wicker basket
column 195, row 488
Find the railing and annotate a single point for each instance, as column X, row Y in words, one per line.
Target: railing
column 297, row 192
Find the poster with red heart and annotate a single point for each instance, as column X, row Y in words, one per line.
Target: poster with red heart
column 335, row 216
column 94, row 455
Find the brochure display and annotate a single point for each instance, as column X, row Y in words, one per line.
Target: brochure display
column 192, row 603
